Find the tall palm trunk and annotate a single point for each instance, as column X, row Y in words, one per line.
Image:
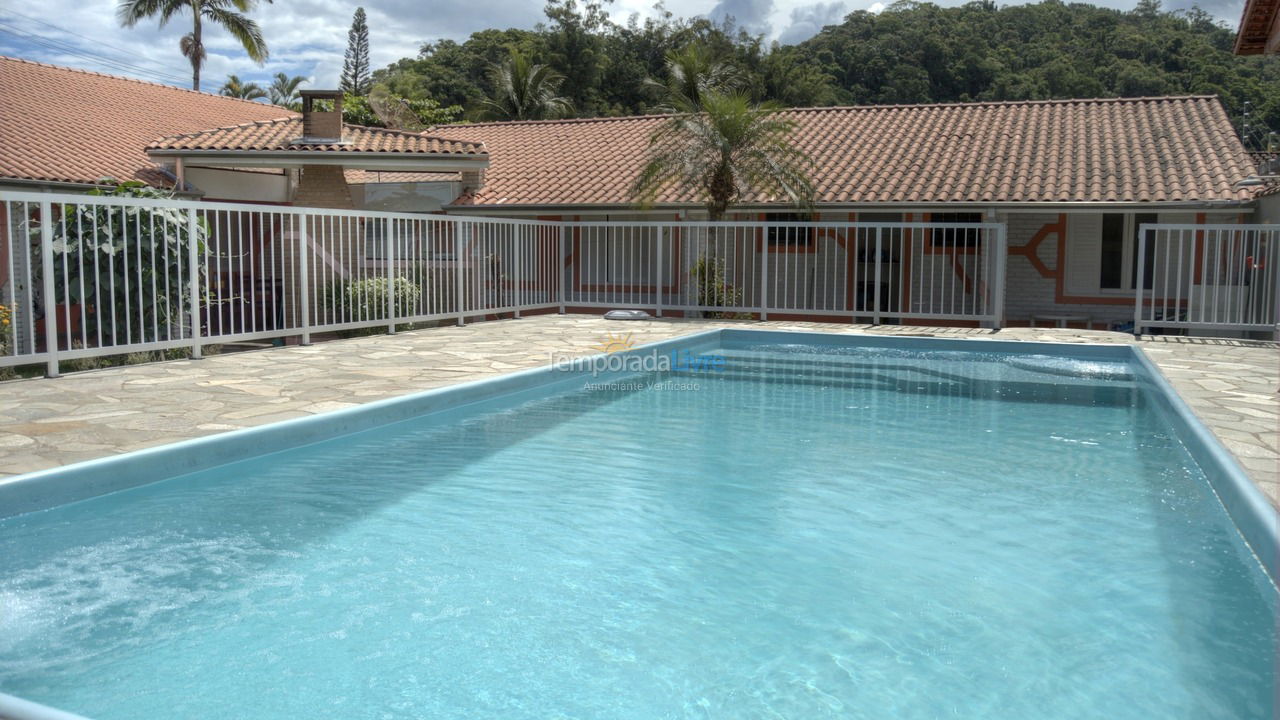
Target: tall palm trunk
column 197, row 55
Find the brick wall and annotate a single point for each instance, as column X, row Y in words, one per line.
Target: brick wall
column 320, row 186
column 323, row 186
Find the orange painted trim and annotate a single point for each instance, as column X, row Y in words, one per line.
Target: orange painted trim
column 1031, row 250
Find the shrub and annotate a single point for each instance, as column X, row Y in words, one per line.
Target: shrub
column 353, row 301
column 713, row 289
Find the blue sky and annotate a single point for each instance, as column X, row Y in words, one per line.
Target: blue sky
column 307, row 37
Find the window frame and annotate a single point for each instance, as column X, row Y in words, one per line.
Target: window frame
column 1128, row 255
column 946, row 238
column 807, row 244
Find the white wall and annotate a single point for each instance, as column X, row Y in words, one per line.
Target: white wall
column 405, row 197
column 217, row 184
column 1268, row 210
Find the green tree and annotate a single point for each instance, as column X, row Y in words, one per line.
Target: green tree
column 524, row 90
column 397, row 112
column 91, row 239
column 284, row 91
column 355, row 65
column 237, row 88
column 225, row 13
column 730, row 149
column 574, row 41
column 692, row 71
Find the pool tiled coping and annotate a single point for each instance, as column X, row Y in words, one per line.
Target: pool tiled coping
column 1230, row 385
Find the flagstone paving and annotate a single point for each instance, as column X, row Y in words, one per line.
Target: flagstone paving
column 1230, row 384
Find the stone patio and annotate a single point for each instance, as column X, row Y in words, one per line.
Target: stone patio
column 1231, row 384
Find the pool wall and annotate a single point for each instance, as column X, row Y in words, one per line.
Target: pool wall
column 1254, row 517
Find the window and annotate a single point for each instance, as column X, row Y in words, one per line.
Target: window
column 375, row 239
column 956, row 237
column 1118, row 256
column 890, row 239
column 789, row 236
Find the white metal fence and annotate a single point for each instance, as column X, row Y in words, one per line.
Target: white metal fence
column 85, row 275
column 874, row 272
column 1200, row 278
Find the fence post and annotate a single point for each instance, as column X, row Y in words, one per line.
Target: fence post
column 1137, row 289
column 999, row 269
column 458, row 275
column 304, row 292
column 193, row 260
column 764, row 276
column 391, row 276
column 46, row 272
column 875, row 287
column 657, row 283
column 518, row 235
column 561, row 267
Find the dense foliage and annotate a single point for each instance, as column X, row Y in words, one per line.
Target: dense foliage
column 911, row 52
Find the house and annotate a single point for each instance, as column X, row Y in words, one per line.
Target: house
column 1259, row 32
column 1068, row 181
column 1071, row 179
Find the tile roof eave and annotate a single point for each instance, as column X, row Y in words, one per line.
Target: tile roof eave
column 1038, row 206
column 327, row 157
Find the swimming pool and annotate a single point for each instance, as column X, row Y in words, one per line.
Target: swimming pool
column 816, row 526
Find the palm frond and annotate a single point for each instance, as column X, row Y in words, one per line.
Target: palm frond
column 728, row 150
column 243, row 29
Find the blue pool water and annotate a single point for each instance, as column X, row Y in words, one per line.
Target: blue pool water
column 813, row 533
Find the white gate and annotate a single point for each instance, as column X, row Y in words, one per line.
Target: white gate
column 1207, row 277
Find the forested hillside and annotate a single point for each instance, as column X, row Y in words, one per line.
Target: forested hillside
column 909, row 53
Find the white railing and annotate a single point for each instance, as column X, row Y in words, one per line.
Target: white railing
column 873, row 272
column 84, row 275
column 1207, row 277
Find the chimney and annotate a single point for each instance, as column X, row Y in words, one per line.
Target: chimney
column 322, row 126
column 472, row 179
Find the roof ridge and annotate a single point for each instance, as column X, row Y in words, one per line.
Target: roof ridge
column 237, row 126
column 126, row 78
column 838, row 108
column 298, row 118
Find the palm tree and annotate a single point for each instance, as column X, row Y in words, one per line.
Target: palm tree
column 237, row 88
column 524, row 90
column 217, row 12
column 691, row 71
column 728, row 150
column 284, row 90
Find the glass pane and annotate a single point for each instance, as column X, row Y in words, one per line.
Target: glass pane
column 1149, row 260
column 1112, row 259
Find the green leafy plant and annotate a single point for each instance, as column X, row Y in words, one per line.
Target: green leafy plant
column 6, row 337
column 353, row 301
column 125, row 266
column 713, row 289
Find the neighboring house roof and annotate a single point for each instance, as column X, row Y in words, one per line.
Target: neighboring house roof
column 1259, row 31
column 1109, row 150
column 284, row 135
column 65, row 125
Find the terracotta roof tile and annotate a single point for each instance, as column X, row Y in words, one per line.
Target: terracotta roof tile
column 1105, row 150
column 284, row 135
column 61, row 124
